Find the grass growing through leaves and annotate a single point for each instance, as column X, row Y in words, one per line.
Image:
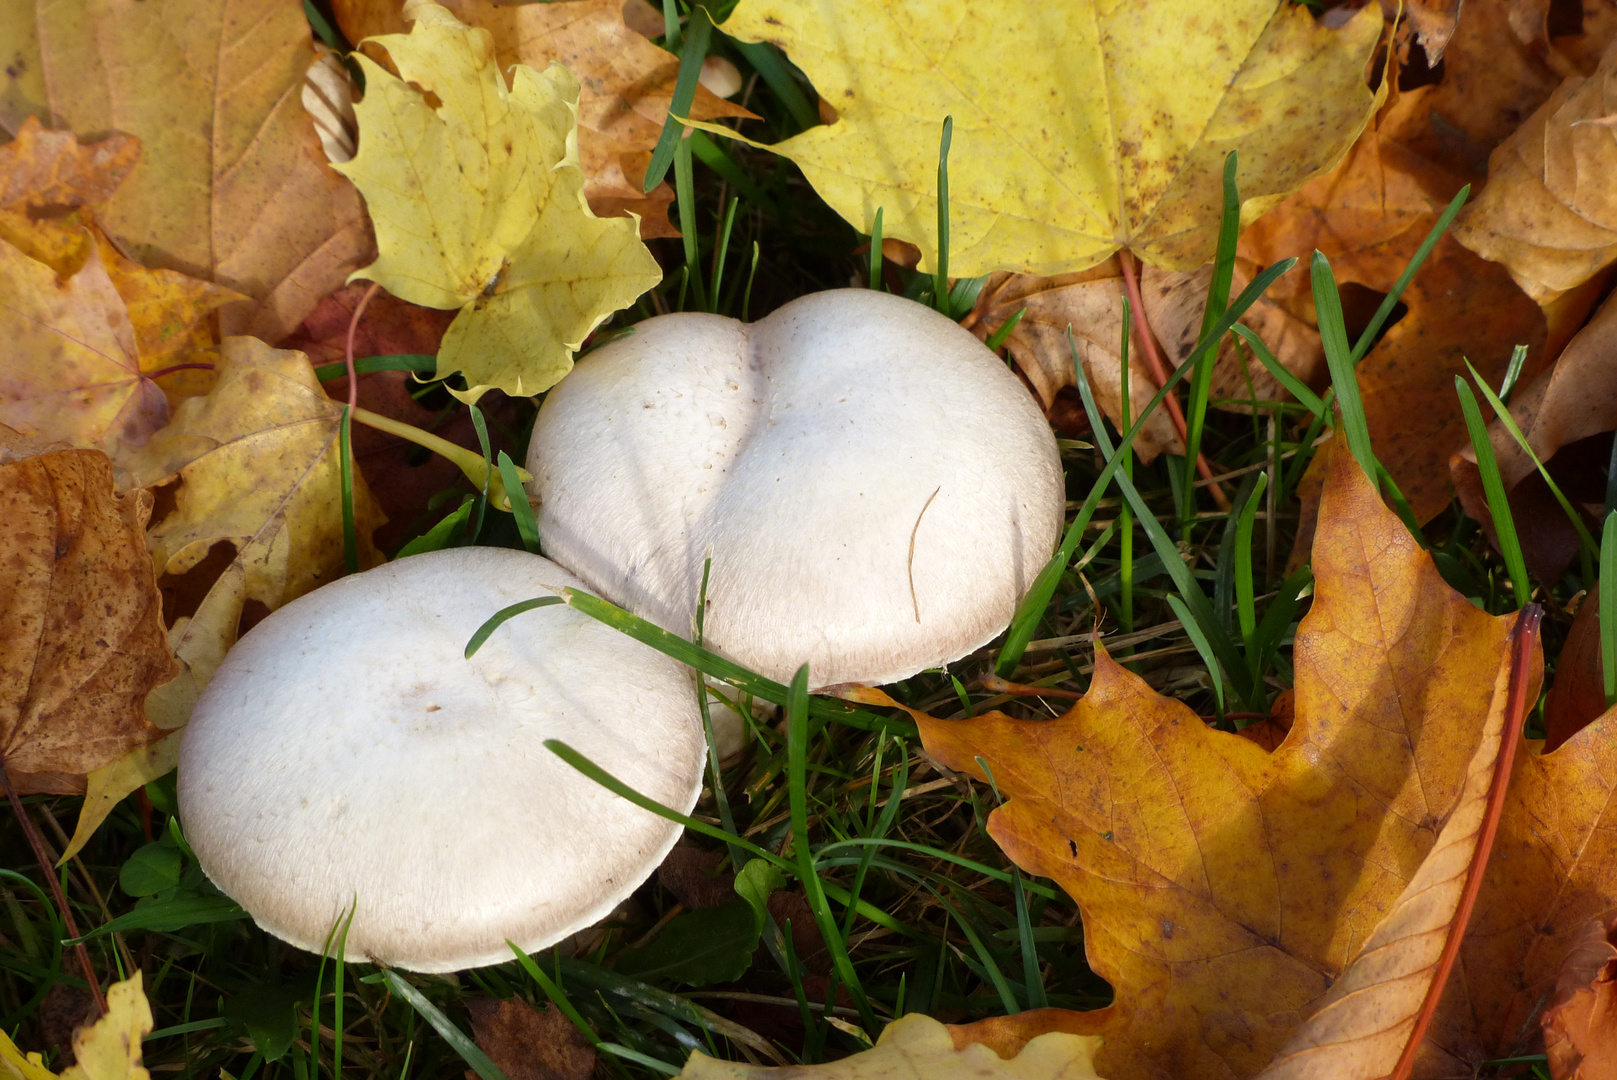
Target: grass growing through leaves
column 866, row 868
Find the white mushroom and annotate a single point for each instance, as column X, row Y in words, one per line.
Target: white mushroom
column 875, row 488
column 347, row 749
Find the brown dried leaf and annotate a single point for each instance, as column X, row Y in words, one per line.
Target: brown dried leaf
column 529, row 1043
column 626, row 83
column 1091, row 302
column 232, row 186
column 81, row 626
column 1548, row 212
column 1580, row 1025
column 1579, row 692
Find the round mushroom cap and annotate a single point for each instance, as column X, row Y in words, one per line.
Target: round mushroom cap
column 876, row 489
column 346, row 749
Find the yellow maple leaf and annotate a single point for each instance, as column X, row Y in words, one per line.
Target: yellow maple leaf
column 109, row 1049
column 1079, row 128
column 478, row 203
column 917, row 1047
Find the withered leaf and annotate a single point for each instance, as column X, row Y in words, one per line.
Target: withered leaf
column 1580, row 1025
column 81, row 623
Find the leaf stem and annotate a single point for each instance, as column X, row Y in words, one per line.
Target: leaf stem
column 476, row 469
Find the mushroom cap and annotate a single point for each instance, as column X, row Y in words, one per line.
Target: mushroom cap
column 875, row 488
column 347, row 748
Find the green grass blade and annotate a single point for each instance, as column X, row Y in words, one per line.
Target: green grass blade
column 456, row 1038
column 1493, row 486
column 1024, row 624
column 1031, row 975
column 692, row 51
column 350, row 540
column 875, row 281
column 1608, row 604
column 416, row 362
column 1497, row 403
column 1379, row 319
column 1339, row 359
column 521, row 508
column 481, row 427
column 797, row 736
column 772, row 67
column 1218, row 298
column 504, row 615
column 727, row 671
column 685, row 196
column 997, row 338
column 1513, row 373
column 720, row 250
column 1245, row 593
column 711, row 154
column 940, row 273
column 1195, row 601
column 1294, row 386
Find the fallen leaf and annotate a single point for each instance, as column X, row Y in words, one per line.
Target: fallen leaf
column 528, row 1043
column 917, row 1047
column 1091, row 302
column 1431, row 20
column 232, row 186
column 1222, row 887
column 258, row 465
column 1580, row 1025
column 498, row 226
column 110, row 1048
column 1054, row 170
column 1554, row 868
column 81, row 622
column 1578, row 694
column 41, row 168
column 1363, row 1027
column 71, row 371
column 626, row 86
column 1547, row 212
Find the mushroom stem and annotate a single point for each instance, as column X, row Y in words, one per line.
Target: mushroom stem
column 478, row 471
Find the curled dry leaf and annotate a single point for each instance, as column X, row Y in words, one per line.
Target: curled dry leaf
column 251, row 205
column 1578, row 694
column 627, row 84
column 497, row 226
column 328, row 97
column 1091, row 302
column 1224, row 887
column 1580, row 1025
column 1549, row 212
column 81, row 622
column 1031, row 187
column 917, row 1047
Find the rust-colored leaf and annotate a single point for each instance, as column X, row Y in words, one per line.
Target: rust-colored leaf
column 1578, row 694
column 1580, row 1025
column 81, row 626
column 626, row 86
column 1091, row 302
column 231, row 186
column 529, row 1043
column 53, row 168
column 1222, row 887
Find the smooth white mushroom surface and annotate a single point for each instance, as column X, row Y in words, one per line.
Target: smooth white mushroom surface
column 347, row 749
column 875, row 488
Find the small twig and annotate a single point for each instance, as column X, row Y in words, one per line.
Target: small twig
column 348, row 351
column 37, row 842
column 996, row 685
column 1159, row 371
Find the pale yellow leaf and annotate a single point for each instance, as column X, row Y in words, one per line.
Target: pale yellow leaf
column 1079, row 127
column 109, row 1049
column 478, row 203
column 917, row 1047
